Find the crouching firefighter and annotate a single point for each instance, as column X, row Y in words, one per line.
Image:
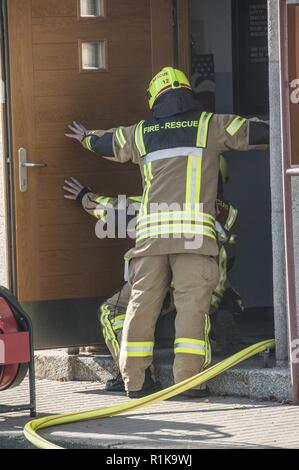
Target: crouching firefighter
column 177, row 151
column 112, row 312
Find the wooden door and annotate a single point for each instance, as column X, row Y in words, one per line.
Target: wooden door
column 57, row 253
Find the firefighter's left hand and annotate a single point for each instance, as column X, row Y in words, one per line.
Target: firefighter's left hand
column 78, row 131
column 74, row 189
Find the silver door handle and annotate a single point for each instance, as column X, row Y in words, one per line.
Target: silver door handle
column 34, row 165
column 23, row 167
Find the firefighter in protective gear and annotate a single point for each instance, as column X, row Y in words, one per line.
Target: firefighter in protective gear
column 112, row 312
column 177, row 151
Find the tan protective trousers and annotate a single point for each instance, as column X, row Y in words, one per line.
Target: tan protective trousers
column 194, row 278
column 112, row 317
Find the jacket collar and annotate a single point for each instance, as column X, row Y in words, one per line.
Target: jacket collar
column 175, row 102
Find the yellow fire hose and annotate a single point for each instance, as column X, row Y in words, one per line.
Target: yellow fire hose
column 31, row 428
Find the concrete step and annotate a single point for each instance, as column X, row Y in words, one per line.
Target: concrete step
column 247, row 380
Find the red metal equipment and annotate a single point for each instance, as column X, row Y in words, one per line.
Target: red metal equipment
column 16, row 350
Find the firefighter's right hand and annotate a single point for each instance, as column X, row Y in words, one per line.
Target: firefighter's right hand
column 74, row 190
column 79, row 132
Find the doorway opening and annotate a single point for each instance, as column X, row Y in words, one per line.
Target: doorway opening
column 230, row 75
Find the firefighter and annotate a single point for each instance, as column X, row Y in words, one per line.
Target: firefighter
column 177, row 150
column 112, row 312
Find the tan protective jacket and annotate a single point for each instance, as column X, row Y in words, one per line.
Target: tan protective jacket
column 178, row 159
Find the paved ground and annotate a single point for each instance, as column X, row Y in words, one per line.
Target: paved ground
column 213, row 423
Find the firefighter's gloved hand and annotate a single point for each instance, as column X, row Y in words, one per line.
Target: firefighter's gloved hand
column 74, row 190
column 79, row 132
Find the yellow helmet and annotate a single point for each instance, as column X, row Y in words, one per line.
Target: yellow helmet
column 223, row 169
column 166, row 80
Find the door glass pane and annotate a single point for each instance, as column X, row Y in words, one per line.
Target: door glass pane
column 93, row 55
column 91, row 8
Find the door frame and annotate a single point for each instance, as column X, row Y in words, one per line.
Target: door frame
column 7, row 153
column 287, row 173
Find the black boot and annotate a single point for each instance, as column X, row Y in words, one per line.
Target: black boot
column 149, row 387
column 115, row 385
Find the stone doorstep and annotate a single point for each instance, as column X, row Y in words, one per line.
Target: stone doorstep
column 248, row 380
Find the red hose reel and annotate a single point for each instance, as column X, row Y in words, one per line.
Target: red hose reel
column 16, row 349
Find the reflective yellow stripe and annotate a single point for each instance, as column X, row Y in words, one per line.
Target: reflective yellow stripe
column 172, row 215
column 203, row 129
column 198, row 181
column 120, row 137
column 188, row 179
column 138, row 344
column 139, row 354
column 176, row 229
column 190, row 340
column 174, row 218
column 119, row 326
column 139, row 141
column 235, row 125
column 137, row 349
column 135, row 198
column 183, row 227
column 208, row 358
column 103, row 200
column 193, row 182
column 88, row 143
column 118, row 318
column 118, row 322
column 105, row 332
column 189, row 351
column 232, row 216
column 221, row 288
column 189, row 346
column 148, row 177
column 99, row 213
column 108, row 332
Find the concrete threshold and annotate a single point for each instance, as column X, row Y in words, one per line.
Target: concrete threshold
column 247, row 380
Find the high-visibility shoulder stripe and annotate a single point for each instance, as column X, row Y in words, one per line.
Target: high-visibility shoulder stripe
column 235, row 125
column 120, row 137
column 135, row 198
column 203, row 130
column 103, row 200
column 139, row 141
